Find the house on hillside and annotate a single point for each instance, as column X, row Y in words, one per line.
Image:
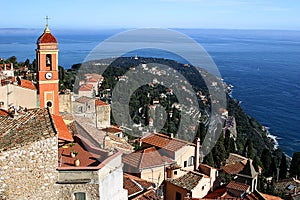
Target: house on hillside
column 192, row 184
column 12, row 93
column 241, row 170
column 184, row 153
column 148, row 164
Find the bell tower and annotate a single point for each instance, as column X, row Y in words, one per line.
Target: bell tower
column 47, row 71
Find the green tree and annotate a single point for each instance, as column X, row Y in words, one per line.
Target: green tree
column 248, row 149
column 209, row 160
column 273, row 168
column 256, row 163
column 266, row 160
column 295, row 165
column 283, row 167
column 219, row 152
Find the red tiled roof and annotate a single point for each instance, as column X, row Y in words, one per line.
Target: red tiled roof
column 27, row 84
column 92, row 80
column 217, row 193
column 165, row 142
column 4, row 113
column 112, row 129
column 87, row 157
column 146, row 158
column 86, row 87
column 100, row 103
column 135, row 185
column 237, row 186
column 62, row 129
column 148, row 195
column 233, row 168
column 46, row 37
column 83, row 99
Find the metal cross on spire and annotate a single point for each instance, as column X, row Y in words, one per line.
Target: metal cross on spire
column 47, row 19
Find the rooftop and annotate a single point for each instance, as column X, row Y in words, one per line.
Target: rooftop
column 135, row 185
column 100, row 103
column 46, row 37
column 188, row 181
column 83, row 99
column 86, row 87
column 165, row 142
column 89, row 155
column 241, row 168
column 146, row 158
column 23, row 129
column 238, row 186
column 62, row 129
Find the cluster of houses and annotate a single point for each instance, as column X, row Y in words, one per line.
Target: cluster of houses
column 78, row 154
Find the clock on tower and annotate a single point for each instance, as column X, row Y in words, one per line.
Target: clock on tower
column 47, row 71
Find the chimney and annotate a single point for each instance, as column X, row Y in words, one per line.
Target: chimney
column 197, row 154
column 171, row 135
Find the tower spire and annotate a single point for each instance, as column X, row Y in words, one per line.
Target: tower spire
column 47, row 30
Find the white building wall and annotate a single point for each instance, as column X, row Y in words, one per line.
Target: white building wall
column 111, row 181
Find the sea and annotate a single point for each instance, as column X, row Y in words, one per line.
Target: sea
column 263, row 66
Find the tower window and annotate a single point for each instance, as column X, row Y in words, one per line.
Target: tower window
column 48, row 60
column 49, row 104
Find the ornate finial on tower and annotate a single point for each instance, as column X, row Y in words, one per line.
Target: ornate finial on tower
column 47, row 30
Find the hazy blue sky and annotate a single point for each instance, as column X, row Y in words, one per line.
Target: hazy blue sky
column 249, row 14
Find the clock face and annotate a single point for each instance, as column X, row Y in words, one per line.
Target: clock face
column 48, row 75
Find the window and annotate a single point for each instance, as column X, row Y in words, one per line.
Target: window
column 178, row 196
column 191, row 160
column 80, row 196
column 202, row 187
column 48, row 60
column 185, row 164
column 49, row 104
column 175, row 172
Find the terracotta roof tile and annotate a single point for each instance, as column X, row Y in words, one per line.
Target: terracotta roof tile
column 233, row 168
column 217, row 193
column 62, row 129
column 83, row 99
column 100, row 103
column 135, row 185
column 234, row 158
column 148, row 195
column 146, row 158
column 4, row 113
column 27, row 84
column 188, row 181
column 165, row 142
column 238, row 186
column 86, row 87
column 33, row 125
column 112, row 129
column 46, row 37
column 87, row 157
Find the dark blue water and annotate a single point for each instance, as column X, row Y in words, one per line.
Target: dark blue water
column 263, row 66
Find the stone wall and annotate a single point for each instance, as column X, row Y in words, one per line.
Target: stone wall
column 103, row 116
column 67, row 191
column 65, row 103
column 29, row 172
